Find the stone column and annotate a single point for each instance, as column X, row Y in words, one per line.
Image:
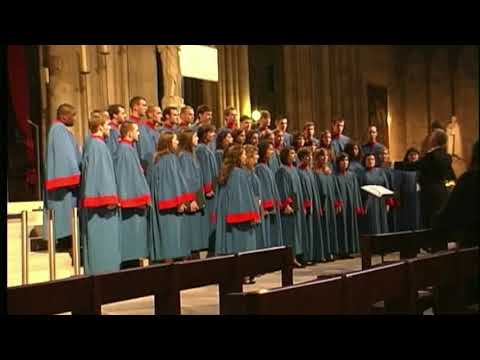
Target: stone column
column 66, row 85
column 172, row 78
column 244, row 80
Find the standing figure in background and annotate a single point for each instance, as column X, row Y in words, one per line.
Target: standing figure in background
column 339, row 141
column 436, row 176
column 373, row 146
column 282, row 125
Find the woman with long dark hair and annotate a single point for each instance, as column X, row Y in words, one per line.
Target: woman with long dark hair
column 238, row 211
column 171, row 200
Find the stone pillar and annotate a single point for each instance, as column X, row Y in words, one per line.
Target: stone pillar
column 233, row 84
column 66, row 85
column 244, row 80
column 172, row 79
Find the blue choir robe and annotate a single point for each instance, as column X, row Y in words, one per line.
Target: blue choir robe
column 409, row 211
column 375, row 219
column 330, row 200
column 168, row 189
column 270, row 205
column 287, row 139
column 237, row 210
column 356, row 167
column 134, row 199
column 394, row 178
column 374, row 148
column 310, row 195
column 62, row 179
column 290, row 191
column 260, row 233
column 147, row 145
column 274, row 162
column 100, row 225
column 219, row 159
column 192, row 222
column 352, row 209
column 339, row 143
column 318, row 244
column 112, row 140
column 209, row 169
column 173, row 129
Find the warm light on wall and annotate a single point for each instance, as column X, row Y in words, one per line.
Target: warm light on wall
column 256, row 115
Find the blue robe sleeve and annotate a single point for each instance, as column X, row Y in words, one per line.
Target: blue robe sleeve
column 270, row 195
column 241, row 199
column 285, row 188
column 169, row 186
column 99, row 187
column 191, row 173
column 132, row 186
column 63, row 166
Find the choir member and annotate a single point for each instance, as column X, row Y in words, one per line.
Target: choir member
column 330, row 203
column 138, row 109
column 192, row 173
column 355, row 156
column 263, row 126
column 147, row 142
column 134, row 196
column 170, row 200
column 291, row 202
column 238, row 211
column 270, row 196
column 253, row 138
column 246, row 123
column 170, row 119
column 117, row 115
column 352, row 209
column 309, row 134
column 62, row 175
column 282, row 125
column 375, row 220
column 224, row 141
column 239, row 136
column 187, row 114
column 99, row 201
column 209, row 169
column 339, row 141
column 373, row 146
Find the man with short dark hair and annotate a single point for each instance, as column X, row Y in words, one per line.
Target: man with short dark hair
column 117, row 116
column 282, row 125
column 246, row 123
column 230, row 118
column 138, row 108
column 339, row 141
column 309, row 135
column 62, row 180
column 170, row 119
column 263, row 126
column 373, row 146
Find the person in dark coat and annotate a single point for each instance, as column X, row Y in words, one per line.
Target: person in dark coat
column 460, row 219
column 436, row 174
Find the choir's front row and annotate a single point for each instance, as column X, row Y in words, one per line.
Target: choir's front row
column 241, row 197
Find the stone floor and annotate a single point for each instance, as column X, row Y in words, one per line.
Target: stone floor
column 200, row 301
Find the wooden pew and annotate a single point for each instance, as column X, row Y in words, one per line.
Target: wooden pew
column 229, row 271
column 157, row 280
column 408, row 243
column 389, row 283
column 468, row 276
column 440, row 272
column 55, row 297
column 323, row 297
